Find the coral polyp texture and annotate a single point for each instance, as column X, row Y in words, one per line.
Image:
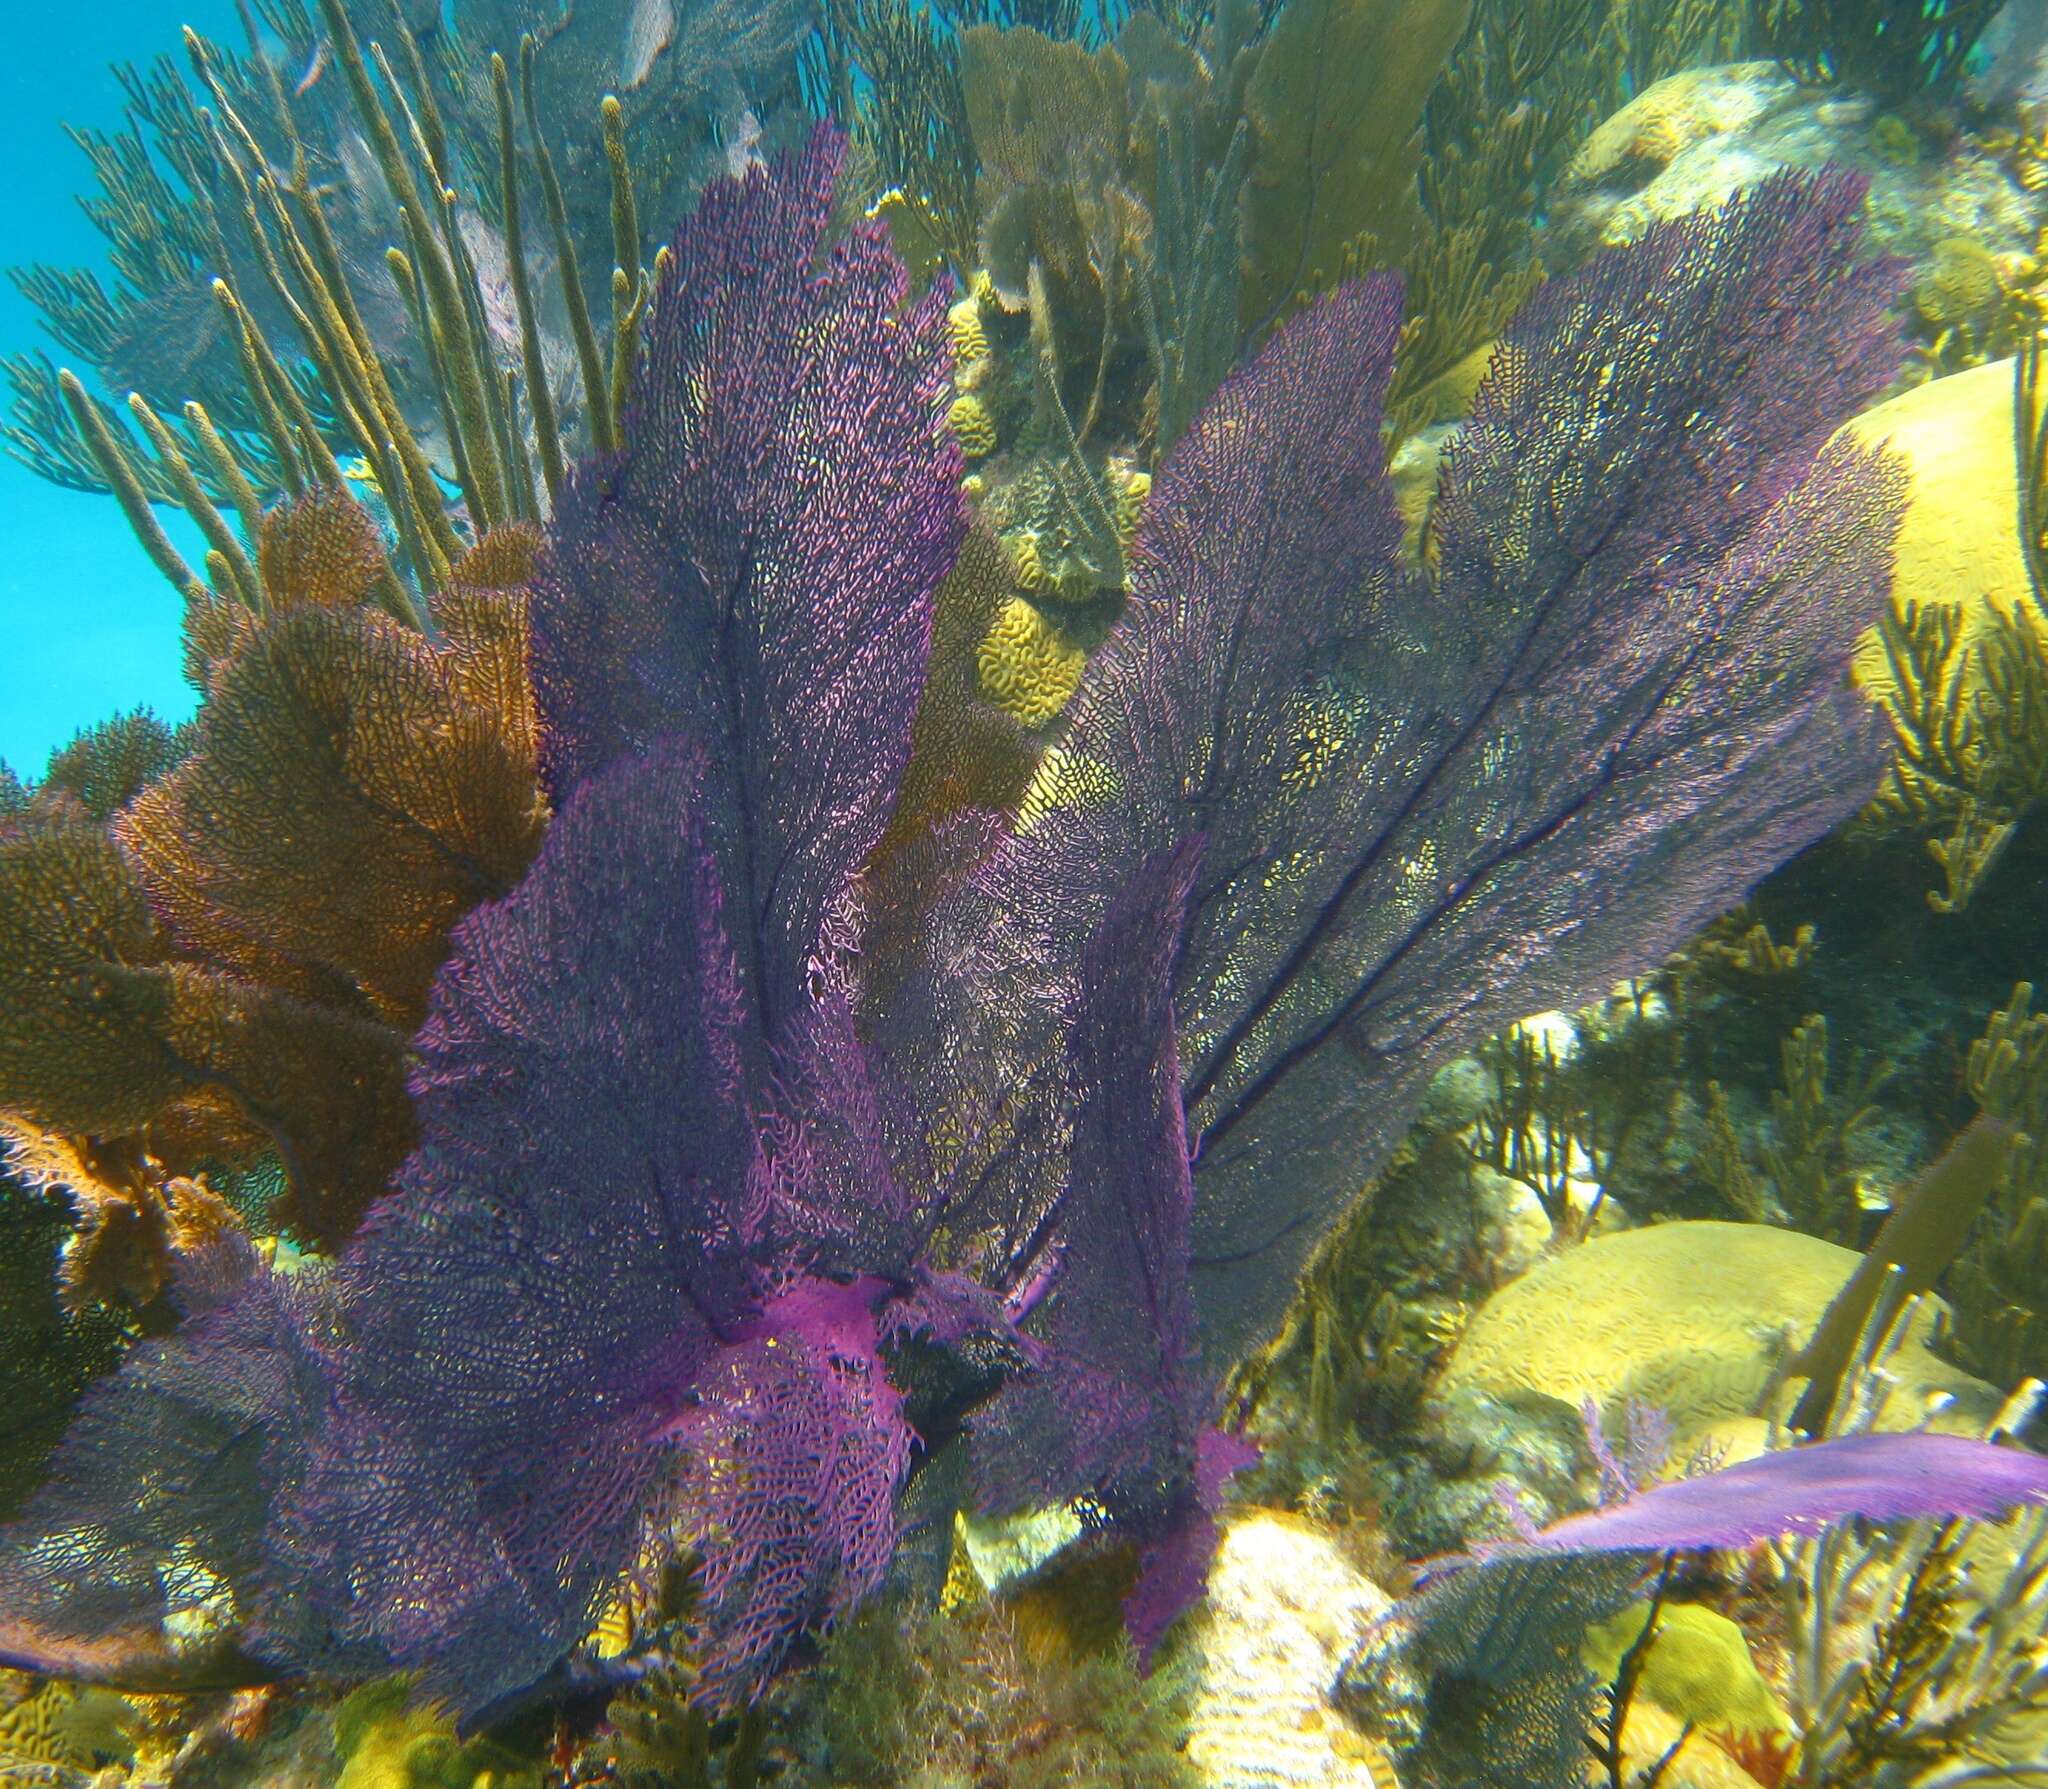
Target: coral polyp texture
column 760, row 1171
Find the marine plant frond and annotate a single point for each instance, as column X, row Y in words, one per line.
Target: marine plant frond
column 1970, row 721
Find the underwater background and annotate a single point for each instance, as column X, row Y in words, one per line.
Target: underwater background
column 945, row 894
column 108, row 641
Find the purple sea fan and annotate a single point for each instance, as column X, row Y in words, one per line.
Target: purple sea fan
column 759, row 569
column 1434, row 805
column 590, row 1312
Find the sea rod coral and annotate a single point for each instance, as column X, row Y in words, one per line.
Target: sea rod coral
column 703, row 1187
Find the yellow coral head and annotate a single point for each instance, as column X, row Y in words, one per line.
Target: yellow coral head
column 972, row 424
column 1026, row 669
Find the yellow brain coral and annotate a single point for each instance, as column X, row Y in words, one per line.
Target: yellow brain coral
column 1686, row 1317
column 963, row 324
column 1026, row 560
column 1026, row 669
column 1960, row 285
column 975, row 428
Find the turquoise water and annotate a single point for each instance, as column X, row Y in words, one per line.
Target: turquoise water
column 90, row 627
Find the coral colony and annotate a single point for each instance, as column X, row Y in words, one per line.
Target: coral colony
column 759, row 1169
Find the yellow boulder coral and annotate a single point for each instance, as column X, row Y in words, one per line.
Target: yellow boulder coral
column 1960, row 285
column 972, row 425
column 1697, row 1667
column 1669, row 117
column 1687, row 1317
column 1960, row 540
column 1026, row 669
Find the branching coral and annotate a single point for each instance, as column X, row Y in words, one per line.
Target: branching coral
column 1805, row 1162
column 1971, row 723
column 242, row 954
column 1998, row 1286
column 911, row 120
column 348, row 262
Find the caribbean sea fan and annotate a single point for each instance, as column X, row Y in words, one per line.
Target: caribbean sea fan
column 1434, row 805
column 694, row 1173
column 760, row 570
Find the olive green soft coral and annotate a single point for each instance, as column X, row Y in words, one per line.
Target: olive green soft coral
column 926, row 1700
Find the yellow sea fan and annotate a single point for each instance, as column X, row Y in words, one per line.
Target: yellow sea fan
column 970, row 421
column 1026, row 669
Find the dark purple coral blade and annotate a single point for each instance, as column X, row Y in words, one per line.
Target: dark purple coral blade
column 1174, row 1569
column 1115, row 1411
column 759, row 569
column 1436, row 806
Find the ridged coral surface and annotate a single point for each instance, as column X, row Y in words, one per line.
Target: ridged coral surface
column 1284, row 1609
column 1026, row 669
column 1680, row 1316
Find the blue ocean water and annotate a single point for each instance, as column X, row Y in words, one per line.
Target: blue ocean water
column 89, row 625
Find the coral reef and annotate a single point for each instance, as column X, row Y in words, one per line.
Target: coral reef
column 992, row 927
column 1699, row 135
